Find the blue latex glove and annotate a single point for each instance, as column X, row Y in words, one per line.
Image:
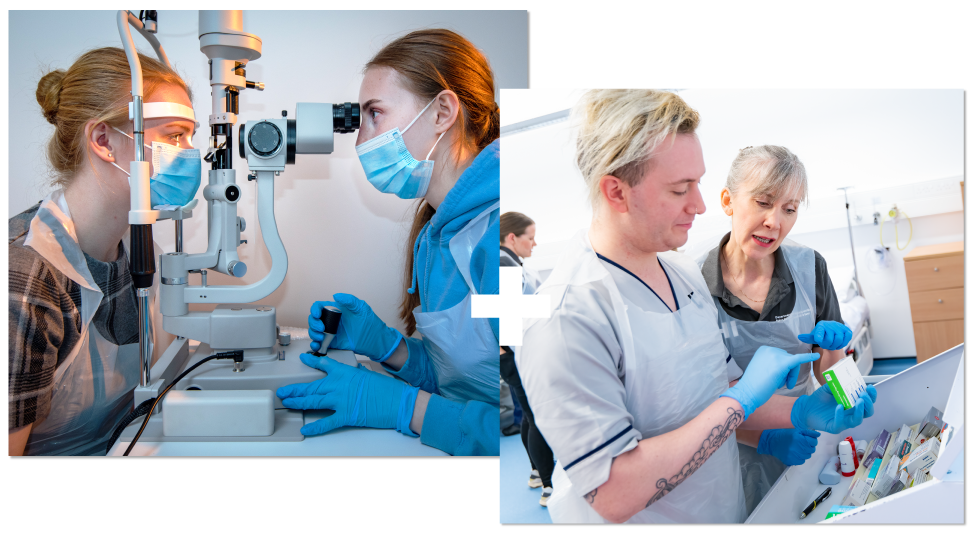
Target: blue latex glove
column 769, row 369
column 359, row 398
column 790, row 446
column 828, row 335
column 360, row 330
column 821, row 412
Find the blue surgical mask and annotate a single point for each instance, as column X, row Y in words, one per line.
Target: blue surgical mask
column 176, row 173
column 391, row 168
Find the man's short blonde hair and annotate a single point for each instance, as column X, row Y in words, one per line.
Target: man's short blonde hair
column 618, row 132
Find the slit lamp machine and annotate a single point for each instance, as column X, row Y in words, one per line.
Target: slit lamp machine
column 225, row 399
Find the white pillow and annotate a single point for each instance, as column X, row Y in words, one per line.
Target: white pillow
column 842, row 278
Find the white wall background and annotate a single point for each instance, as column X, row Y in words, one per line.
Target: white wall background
column 341, row 234
column 903, row 147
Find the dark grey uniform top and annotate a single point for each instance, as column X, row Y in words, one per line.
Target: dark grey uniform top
column 781, row 290
column 509, row 258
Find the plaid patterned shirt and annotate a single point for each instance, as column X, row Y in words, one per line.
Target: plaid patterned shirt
column 45, row 319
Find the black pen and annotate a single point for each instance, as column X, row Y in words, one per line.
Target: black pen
column 818, row 500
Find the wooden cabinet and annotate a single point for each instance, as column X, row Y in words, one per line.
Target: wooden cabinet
column 936, row 286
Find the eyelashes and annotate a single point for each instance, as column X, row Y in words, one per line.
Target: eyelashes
column 766, row 205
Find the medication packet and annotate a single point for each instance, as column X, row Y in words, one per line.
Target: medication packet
column 897, row 445
column 845, row 381
column 874, row 471
column 916, row 478
column 837, row 510
column 886, row 478
column 923, row 457
column 931, row 425
column 899, row 483
column 879, row 448
column 858, row 494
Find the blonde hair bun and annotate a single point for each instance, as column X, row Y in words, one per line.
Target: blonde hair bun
column 49, row 94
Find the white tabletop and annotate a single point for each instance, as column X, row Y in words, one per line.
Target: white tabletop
column 346, row 441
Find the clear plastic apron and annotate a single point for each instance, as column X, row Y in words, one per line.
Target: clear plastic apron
column 463, row 350
column 93, row 385
column 675, row 368
column 742, row 338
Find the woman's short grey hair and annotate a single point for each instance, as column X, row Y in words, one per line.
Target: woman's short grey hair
column 776, row 172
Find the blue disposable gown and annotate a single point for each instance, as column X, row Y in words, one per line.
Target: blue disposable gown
column 458, row 427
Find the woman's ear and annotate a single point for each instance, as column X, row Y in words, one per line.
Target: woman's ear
column 447, row 107
column 99, row 143
column 726, row 201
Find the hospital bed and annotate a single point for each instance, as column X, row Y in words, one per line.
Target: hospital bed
column 856, row 316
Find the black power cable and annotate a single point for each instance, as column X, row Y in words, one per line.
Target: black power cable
column 139, row 411
column 236, row 355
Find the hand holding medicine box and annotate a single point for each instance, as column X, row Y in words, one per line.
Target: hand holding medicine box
column 845, row 382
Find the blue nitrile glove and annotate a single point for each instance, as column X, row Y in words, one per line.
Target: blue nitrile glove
column 360, row 330
column 790, row 446
column 770, row 369
column 359, row 397
column 828, row 335
column 821, row 412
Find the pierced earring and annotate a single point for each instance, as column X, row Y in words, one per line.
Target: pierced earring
column 109, row 155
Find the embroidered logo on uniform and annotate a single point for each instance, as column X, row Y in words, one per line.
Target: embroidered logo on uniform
column 799, row 314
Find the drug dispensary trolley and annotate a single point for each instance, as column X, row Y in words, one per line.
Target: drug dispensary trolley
column 904, row 398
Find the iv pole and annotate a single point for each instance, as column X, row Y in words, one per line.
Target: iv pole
column 849, row 227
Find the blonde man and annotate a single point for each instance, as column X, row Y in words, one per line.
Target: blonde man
column 629, row 378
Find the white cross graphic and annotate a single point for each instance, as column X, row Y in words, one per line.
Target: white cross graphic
column 511, row 306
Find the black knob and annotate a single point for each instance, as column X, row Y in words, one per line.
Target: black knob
column 331, row 317
column 345, row 117
column 284, row 113
column 265, row 138
column 240, row 137
column 232, row 193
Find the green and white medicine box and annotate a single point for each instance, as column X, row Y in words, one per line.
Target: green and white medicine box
column 845, row 381
column 837, row 510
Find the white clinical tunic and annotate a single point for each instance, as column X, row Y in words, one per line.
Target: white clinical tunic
column 614, row 365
